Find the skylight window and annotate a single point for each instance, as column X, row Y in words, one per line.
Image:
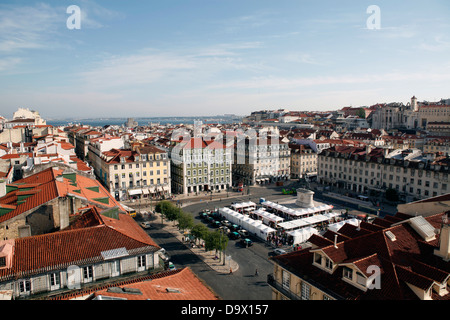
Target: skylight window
column 423, row 227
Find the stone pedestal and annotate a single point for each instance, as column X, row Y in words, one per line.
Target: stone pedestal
column 305, row 198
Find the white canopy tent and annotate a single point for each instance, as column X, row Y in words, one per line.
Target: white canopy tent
column 296, row 212
column 268, row 217
column 255, row 227
column 302, row 235
column 293, row 224
column 264, row 231
column 244, row 205
column 338, row 225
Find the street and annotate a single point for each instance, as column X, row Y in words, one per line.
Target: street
column 241, row 285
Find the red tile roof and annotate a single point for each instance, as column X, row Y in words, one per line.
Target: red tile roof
column 408, row 259
column 155, row 287
column 46, row 187
column 77, row 245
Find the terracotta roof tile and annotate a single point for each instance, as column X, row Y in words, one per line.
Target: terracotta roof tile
column 77, row 245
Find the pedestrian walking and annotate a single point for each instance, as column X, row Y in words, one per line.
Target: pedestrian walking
column 231, row 271
column 256, row 272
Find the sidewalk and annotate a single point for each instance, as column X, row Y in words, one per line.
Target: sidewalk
column 207, row 257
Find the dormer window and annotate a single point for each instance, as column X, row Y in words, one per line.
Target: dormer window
column 328, row 264
column 2, row 262
column 318, row 258
column 348, row 273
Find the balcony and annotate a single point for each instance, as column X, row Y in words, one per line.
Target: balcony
column 279, row 287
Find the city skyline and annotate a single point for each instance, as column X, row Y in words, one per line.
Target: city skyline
column 194, row 58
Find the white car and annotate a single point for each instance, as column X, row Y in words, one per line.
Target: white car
column 163, row 254
column 279, row 251
column 146, row 225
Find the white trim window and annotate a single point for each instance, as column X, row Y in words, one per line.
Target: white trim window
column 24, row 287
column 348, row 273
column 115, row 268
column 141, row 263
column 286, row 280
column 88, row 274
column 55, row 281
column 328, row 264
column 306, row 291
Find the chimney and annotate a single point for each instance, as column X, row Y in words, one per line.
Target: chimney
column 444, row 240
column 335, row 241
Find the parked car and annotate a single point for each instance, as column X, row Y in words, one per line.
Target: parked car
column 277, row 252
column 225, row 229
column 163, row 254
column 216, row 224
column 171, row 266
column 243, row 233
column 234, row 227
column 226, row 223
column 233, row 235
column 146, row 225
column 246, row 242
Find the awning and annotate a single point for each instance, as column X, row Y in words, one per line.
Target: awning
column 145, row 191
column 134, row 192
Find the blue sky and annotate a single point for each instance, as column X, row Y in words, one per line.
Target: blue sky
column 169, row 58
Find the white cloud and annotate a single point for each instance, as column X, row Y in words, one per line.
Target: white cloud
column 281, row 83
column 27, row 27
column 150, row 66
column 9, row 63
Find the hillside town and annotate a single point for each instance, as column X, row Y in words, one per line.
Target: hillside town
column 350, row 204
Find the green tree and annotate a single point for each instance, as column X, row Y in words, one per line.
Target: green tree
column 216, row 240
column 185, row 221
column 361, row 113
column 199, row 231
column 163, row 206
column 168, row 210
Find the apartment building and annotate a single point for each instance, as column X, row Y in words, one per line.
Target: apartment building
column 363, row 170
column 437, row 145
column 261, row 160
column 435, row 112
column 303, row 161
column 80, row 137
column 396, row 258
column 200, row 165
column 141, row 172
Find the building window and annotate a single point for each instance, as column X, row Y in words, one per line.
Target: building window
column 141, row 263
column 286, row 280
column 348, row 273
column 88, row 274
column 306, row 289
column 25, row 286
column 318, row 258
column 328, row 264
column 54, row 281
